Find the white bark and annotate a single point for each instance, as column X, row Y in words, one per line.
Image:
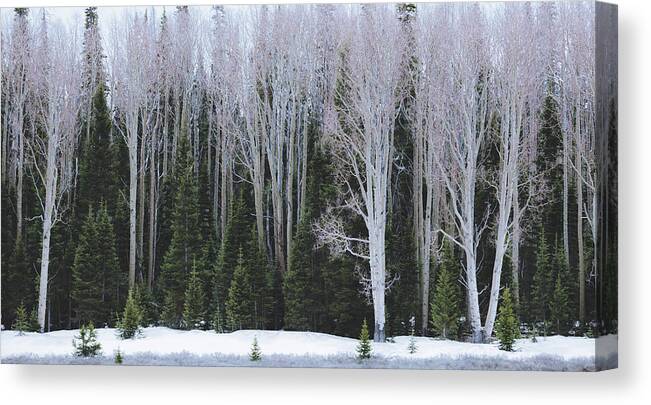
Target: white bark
column 361, row 143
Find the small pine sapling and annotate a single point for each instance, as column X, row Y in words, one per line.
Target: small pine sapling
column 129, row 325
column 118, row 357
column 22, row 323
column 364, row 347
column 33, row 321
column 86, row 344
column 255, row 354
column 412, row 340
column 507, row 330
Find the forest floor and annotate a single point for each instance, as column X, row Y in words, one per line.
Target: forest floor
column 164, row 346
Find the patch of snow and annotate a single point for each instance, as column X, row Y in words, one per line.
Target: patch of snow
column 164, row 346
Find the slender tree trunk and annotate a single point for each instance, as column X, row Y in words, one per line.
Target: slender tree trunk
column 153, row 208
column 515, row 248
column 141, row 209
column 579, row 226
column 133, row 198
column 51, row 179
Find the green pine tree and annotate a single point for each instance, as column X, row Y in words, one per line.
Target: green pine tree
column 96, row 277
column 86, row 280
column 558, row 307
column 184, row 246
column 297, row 285
column 21, row 324
column 506, row 326
column 118, row 357
column 86, row 344
column 235, row 238
column 256, row 353
column 240, row 297
column 364, row 347
column 445, row 305
column 129, row 324
column 194, row 306
column 541, row 288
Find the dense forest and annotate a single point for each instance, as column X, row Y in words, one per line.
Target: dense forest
column 308, row 168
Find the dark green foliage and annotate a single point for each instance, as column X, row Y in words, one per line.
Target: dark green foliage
column 129, row 324
column 364, row 347
column 403, row 268
column 21, row 324
column 558, row 307
column 240, row 297
column 298, row 287
column 445, row 305
column 194, row 307
column 96, row 277
column 86, row 344
column 17, row 279
column 507, row 329
column 185, row 246
column 256, row 353
column 542, row 284
column 118, row 357
column 236, row 236
column 96, row 180
column 148, row 307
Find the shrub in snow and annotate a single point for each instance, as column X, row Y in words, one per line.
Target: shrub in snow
column 86, row 344
column 412, row 341
column 445, row 305
column 21, row 324
column 129, row 325
column 364, row 347
column 118, row 357
column 507, row 329
column 193, row 307
column 256, row 354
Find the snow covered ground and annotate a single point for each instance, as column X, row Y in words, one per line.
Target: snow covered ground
column 163, row 346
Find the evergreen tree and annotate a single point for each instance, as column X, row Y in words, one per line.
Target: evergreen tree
column 86, row 344
column 96, row 180
column 235, row 237
column 184, row 246
column 194, row 306
column 129, row 325
column 96, row 278
column 86, row 287
column 506, row 327
column 256, row 353
column 541, row 288
column 145, row 301
column 364, row 348
column 558, row 307
column 118, row 357
column 298, row 289
column 21, row 324
column 445, row 305
column 240, row 297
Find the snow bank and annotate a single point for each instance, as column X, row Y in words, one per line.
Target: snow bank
column 163, row 346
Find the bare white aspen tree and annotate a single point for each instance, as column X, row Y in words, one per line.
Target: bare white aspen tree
column 56, row 85
column 16, row 77
column 465, row 124
column 425, row 116
column 282, row 68
column 517, row 76
column 361, row 142
column 577, row 95
column 129, row 66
